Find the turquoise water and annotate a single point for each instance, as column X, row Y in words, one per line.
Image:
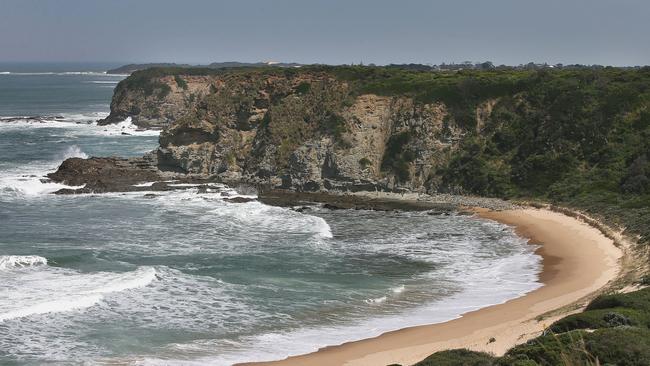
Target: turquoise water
column 188, row 278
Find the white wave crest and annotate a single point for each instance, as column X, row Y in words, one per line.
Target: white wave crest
column 29, row 180
column 125, row 127
column 63, row 120
column 79, row 124
column 103, row 81
column 378, row 300
column 323, row 228
column 58, row 290
column 17, row 261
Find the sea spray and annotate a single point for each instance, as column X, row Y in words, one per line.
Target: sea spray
column 29, row 180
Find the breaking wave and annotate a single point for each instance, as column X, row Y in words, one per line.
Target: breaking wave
column 18, row 261
column 29, row 180
column 52, row 290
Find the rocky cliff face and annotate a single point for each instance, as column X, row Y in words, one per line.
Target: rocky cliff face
column 301, row 129
column 156, row 103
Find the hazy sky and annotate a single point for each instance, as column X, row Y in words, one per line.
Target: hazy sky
column 612, row 32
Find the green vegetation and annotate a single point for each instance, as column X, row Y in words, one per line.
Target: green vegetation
column 142, row 80
column 457, row 357
column 397, row 156
column 575, row 138
column 303, row 88
column 364, row 162
column 618, row 334
column 180, row 82
column 334, row 125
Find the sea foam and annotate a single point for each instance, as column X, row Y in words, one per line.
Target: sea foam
column 33, row 291
column 28, row 180
column 16, row 261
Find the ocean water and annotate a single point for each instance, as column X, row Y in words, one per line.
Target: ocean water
column 188, row 278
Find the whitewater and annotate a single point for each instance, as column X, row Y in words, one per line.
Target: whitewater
column 187, row 277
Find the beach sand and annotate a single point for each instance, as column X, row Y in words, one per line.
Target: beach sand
column 578, row 260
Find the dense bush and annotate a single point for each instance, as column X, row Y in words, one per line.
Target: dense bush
column 579, row 138
column 303, row 88
column 457, row 357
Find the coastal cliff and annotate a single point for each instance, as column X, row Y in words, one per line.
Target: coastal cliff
column 308, row 129
column 580, row 138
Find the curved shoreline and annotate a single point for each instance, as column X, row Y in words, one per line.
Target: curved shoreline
column 578, row 260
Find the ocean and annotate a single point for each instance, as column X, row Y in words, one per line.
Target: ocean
column 187, row 278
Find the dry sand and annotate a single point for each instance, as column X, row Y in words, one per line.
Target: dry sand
column 578, row 260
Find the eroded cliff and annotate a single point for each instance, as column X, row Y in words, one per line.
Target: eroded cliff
column 303, row 129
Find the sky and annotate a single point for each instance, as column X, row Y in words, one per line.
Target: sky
column 508, row 32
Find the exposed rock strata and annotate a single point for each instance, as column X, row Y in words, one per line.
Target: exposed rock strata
column 304, row 131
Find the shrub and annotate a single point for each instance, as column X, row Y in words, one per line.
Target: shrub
column 334, row 125
column 458, row 357
column 303, row 88
column 397, row 156
column 180, row 82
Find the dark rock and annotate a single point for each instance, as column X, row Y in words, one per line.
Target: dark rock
column 104, row 174
column 301, row 209
column 332, row 207
column 239, row 199
column 334, row 201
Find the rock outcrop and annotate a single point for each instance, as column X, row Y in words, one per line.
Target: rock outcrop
column 307, row 130
column 98, row 175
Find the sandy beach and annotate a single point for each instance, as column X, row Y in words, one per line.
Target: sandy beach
column 578, row 260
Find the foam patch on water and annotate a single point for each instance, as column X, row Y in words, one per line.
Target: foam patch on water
column 79, row 124
column 29, row 181
column 36, row 290
column 104, row 81
column 251, row 216
column 18, row 261
column 124, row 128
column 145, row 184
